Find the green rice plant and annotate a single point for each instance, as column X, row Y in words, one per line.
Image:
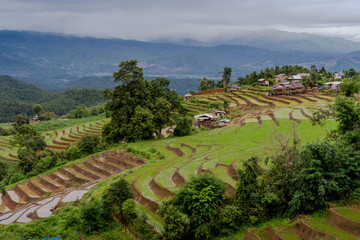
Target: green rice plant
column 351, row 213
column 164, row 177
column 320, row 224
column 289, row 235
column 221, row 173
column 60, row 124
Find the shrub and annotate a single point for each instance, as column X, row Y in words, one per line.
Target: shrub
column 16, row 177
column 89, row 144
column 45, row 163
column 73, row 153
column 183, row 127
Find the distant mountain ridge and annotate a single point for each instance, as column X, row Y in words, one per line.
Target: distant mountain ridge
column 60, row 61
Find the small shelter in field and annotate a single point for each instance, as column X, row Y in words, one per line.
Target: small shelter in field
column 218, row 114
column 234, row 87
column 204, row 120
column 263, row 82
column 333, row 86
column 187, row 96
column 280, row 76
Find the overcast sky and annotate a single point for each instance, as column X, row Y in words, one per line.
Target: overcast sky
column 180, row 19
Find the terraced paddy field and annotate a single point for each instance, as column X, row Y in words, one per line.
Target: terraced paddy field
column 256, row 122
column 220, row 152
column 58, row 139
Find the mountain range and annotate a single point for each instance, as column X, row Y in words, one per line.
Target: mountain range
column 57, row 61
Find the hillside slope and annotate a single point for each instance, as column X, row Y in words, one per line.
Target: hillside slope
column 18, row 97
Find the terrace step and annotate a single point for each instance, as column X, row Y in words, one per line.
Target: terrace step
column 306, row 232
column 60, row 181
column 288, row 234
column 42, row 184
column 159, row 190
column 177, row 178
column 80, row 174
column 11, row 200
column 251, row 235
column 81, row 168
column 110, row 167
column 96, row 168
column 120, row 162
column 69, row 178
column 26, row 193
column 3, row 207
column 338, row 220
column 146, row 202
column 51, row 182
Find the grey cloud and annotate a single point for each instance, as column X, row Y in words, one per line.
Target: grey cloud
column 197, row 19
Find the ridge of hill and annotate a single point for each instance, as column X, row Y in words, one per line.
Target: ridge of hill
column 18, row 97
column 58, row 61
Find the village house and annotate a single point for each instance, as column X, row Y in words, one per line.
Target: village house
column 264, row 82
column 332, row 86
column 304, row 75
column 280, row 76
column 207, row 119
column 204, row 120
column 287, row 89
column 187, row 96
column 218, row 114
column 339, row 75
column 295, row 78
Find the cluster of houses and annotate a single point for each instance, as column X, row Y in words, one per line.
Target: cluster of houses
column 290, row 85
column 286, row 85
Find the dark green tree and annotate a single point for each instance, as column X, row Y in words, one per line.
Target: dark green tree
column 351, row 73
column 19, row 121
column 350, row 87
column 37, row 109
column 138, row 104
column 115, row 197
column 200, row 199
column 141, row 125
column 226, row 105
column 89, row 144
column 29, row 142
column 226, row 74
column 183, row 127
column 176, row 223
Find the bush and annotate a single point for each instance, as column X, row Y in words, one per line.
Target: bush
column 92, row 216
column 16, row 177
column 89, row 144
column 73, row 153
column 183, row 127
column 46, row 163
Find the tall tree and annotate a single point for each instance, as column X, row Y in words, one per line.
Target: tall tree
column 138, row 104
column 226, row 74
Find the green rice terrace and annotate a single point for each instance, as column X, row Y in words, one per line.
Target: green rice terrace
column 257, row 123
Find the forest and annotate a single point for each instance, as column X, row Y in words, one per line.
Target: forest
column 18, row 97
